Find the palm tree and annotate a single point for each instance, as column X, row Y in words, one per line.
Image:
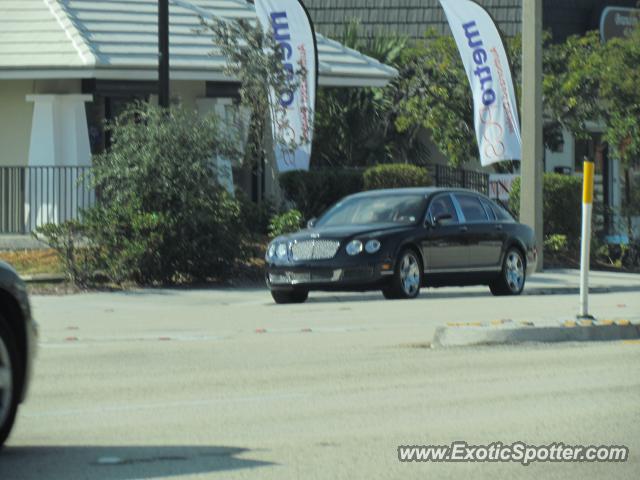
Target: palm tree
column 356, row 127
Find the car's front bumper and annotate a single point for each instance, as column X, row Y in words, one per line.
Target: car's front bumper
column 317, row 277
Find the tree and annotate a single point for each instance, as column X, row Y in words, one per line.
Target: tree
column 435, row 93
column 620, row 96
column 356, row 126
column 255, row 59
column 599, row 83
column 571, row 82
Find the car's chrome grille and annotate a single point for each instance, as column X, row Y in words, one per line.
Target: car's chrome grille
column 297, row 278
column 314, row 249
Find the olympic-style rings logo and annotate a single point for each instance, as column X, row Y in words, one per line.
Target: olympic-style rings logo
column 492, row 133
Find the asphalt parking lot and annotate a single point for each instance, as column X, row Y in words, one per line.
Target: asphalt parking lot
column 225, row 384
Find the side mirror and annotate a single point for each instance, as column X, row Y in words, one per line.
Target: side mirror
column 312, row 223
column 442, row 217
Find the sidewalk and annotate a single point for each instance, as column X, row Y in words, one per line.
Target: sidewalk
column 20, row 242
column 567, row 281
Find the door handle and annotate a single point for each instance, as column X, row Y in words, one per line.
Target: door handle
column 498, row 227
column 464, row 229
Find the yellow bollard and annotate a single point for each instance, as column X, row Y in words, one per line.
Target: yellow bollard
column 585, row 256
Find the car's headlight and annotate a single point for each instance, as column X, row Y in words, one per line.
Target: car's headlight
column 372, row 246
column 271, row 251
column 281, row 250
column 354, row 247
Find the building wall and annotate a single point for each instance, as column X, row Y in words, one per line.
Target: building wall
column 59, row 87
column 15, row 121
column 16, row 115
column 563, row 158
column 187, row 92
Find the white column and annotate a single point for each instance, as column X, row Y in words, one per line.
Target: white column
column 59, row 138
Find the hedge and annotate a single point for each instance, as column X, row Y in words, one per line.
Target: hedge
column 314, row 191
column 396, row 175
column 562, row 205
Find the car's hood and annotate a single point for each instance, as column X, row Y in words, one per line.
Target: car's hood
column 347, row 231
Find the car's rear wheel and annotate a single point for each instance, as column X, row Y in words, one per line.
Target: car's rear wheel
column 296, row 296
column 9, row 394
column 407, row 277
column 512, row 277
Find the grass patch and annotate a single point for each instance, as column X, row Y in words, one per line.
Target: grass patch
column 33, row 262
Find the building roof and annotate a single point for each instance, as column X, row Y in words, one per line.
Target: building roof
column 412, row 18
column 118, row 39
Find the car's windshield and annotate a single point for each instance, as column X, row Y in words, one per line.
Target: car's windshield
column 401, row 209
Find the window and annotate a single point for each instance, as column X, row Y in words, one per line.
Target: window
column 488, row 209
column 375, row 209
column 501, row 214
column 471, row 208
column 442, row 205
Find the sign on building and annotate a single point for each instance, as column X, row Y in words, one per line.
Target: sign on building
column 618, row 22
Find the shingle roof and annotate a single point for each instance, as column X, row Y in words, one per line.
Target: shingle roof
column 405, row 17
column 413, row 17
column 108, row 38
column 37, row 32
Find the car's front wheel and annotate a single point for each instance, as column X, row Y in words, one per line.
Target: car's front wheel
column 9, row 395
column 512, row 277
column 297, row 296
column 407, row 277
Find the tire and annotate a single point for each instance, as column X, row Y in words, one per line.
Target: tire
column 407, row 277
column 513, row 275
column 9, row 391
column 297, row 296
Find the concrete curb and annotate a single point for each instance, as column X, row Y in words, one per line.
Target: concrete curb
column 576, row 290
column 44, row 278
column 507, row 333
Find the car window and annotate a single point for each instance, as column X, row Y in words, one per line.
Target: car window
column 442, row 205
column 471, row 208
column 375, row 209
column 488, row 209
column 501, row 214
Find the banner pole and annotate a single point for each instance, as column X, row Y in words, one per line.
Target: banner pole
column 585, row 255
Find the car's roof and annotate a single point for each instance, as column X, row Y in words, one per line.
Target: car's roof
column 411, row 191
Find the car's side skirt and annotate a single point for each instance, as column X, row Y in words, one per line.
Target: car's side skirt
column 464, row 270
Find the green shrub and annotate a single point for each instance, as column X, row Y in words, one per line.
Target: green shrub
column 284, row 223
column 396, row 175
column 69, row 242
column 255, row 217
column 556, row 243
column 161, row 215
column 562, row 205
column 314, row 191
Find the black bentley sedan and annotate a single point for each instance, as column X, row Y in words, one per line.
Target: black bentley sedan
column 401, row 240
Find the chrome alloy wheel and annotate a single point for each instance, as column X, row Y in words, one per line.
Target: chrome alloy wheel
column 514, row 271
column 6, row 382
column 410, row 274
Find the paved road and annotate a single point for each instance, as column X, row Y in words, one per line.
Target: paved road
column 224, row 384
